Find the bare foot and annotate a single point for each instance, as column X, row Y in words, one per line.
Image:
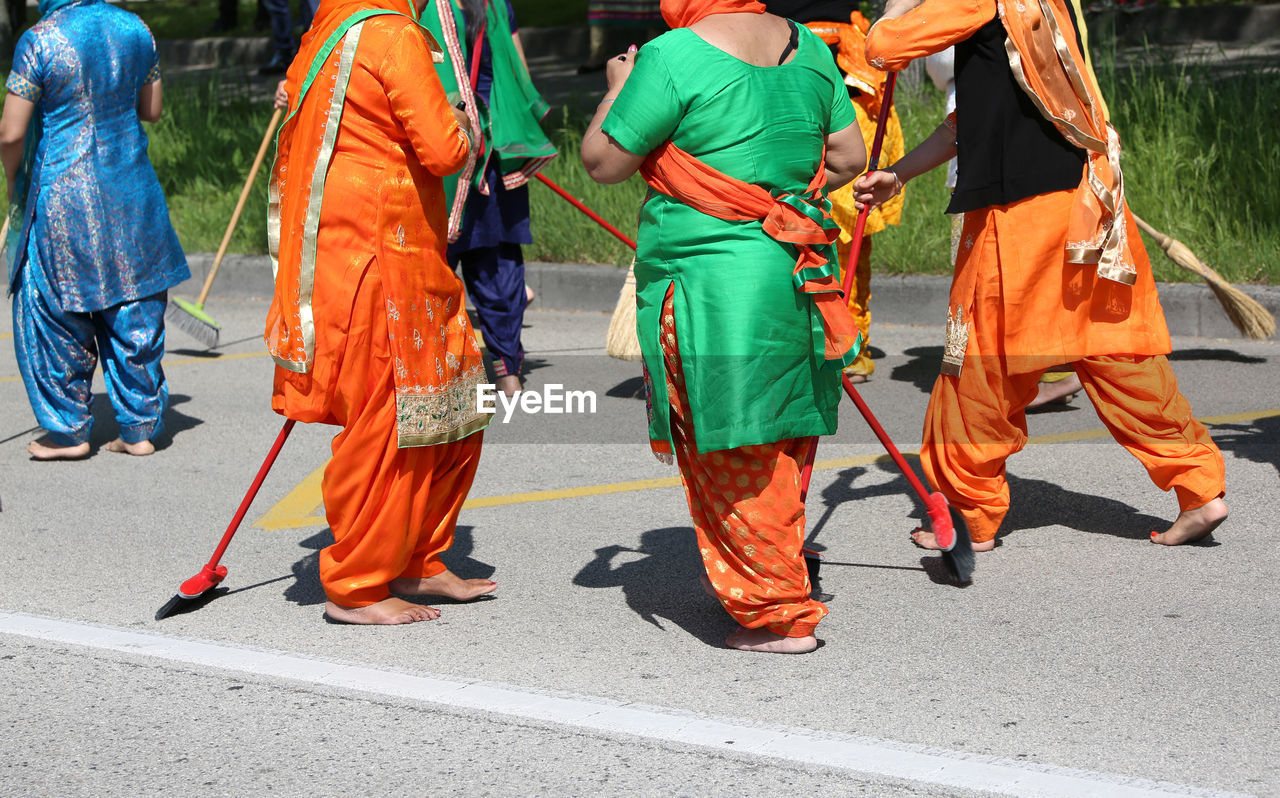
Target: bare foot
column 857, row 379
column 446, row 584
column 388, row 611
column 510, row 384
column 44, row 449
column 1060, row 392
column 1193, row 525
column 927, row 540
column 767, row 642
column 139, row 449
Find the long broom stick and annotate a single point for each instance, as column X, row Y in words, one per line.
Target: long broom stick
column 1248, row 316
column 213, row 573
column 947, row 526
column 621, row 341
column 190, row 316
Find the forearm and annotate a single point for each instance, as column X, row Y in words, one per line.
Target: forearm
column 931, row 153
column 11, row 153
column 596, row 146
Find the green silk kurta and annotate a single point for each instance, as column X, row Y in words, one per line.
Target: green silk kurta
column 750, row 345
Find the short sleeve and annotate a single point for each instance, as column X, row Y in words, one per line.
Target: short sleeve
column 648, row 109
column 511, row 17
column 25, row 78
column 842, row 113
column 153, row 74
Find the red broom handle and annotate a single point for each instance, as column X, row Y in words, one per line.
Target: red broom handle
column 882, row 122
column 253, row 492
column 873, row 163
column 886, row 442
column 595, row 217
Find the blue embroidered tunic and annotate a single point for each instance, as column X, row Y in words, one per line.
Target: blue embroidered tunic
column 95, row 226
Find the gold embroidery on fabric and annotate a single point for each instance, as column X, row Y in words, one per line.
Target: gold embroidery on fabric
column 957, row 342
column 1108, row 252
column 426, row 416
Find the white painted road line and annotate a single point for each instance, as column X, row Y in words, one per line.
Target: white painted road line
column 825, row 749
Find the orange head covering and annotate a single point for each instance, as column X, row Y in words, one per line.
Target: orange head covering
column 683, row 13
column 851, row 38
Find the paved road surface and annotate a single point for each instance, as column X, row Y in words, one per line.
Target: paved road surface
column 1083, row 661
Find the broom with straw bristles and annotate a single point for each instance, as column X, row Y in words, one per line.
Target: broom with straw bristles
column 1248, row 316
column 621, row 341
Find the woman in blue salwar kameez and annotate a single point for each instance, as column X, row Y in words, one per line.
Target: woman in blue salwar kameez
column 92, row 253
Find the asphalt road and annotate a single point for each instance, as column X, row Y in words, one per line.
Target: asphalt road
column 1082, row 661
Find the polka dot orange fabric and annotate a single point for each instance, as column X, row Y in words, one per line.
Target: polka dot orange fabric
column 746, row 509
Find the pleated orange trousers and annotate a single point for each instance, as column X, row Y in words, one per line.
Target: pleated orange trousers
column 392, row 511
column 746, row 509
column 1032, row 311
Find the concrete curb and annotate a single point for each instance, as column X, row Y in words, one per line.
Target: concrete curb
column 1190, row 308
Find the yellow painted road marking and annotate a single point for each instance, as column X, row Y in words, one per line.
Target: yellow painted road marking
column 182, row 361
column 303, row 506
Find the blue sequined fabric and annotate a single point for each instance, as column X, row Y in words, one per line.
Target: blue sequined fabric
column 95, row 213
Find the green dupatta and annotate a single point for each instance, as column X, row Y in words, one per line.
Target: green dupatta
column 514, row 135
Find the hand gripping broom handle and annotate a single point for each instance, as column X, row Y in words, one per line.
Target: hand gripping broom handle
column 592, row 215
column 882, row 122
column 235, row 215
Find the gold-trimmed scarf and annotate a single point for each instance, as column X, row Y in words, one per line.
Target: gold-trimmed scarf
column 1048, row 65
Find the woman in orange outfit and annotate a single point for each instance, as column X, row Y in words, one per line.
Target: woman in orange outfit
column 368, row 325
column 1050, row 267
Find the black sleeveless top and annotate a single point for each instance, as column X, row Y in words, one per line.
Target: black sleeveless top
column 803, row 11
column 1006, row 150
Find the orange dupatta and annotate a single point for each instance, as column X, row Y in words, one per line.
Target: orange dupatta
column 1049, row 67
column 801, row 220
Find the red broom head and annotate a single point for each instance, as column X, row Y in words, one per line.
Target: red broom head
column 940, row 521
column 202, row 582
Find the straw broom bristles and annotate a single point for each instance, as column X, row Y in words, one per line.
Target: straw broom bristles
column 1248, row 316
column 621, row 342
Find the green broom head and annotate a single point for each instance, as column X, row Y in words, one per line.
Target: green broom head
column 192, row 320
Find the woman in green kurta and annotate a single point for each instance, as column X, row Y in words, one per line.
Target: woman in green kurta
column 751, row 345
column 751, row 363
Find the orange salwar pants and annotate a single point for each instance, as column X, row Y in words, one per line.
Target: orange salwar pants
column 392, row 511
column 859, row 301
column 1028, row 311
column 746, row 510
column 976, row 420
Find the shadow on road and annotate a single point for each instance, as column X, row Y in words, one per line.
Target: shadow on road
column 1258, row 441
column 662, row 583
column 106, row 429
column 921, row 370
column 1036, row 503
column 1220, row 355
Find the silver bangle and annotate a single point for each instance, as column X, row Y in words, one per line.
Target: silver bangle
column 897, row 180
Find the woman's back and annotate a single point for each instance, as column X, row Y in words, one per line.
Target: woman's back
column 761, row 124
column 88, row 62
column 95, row 216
